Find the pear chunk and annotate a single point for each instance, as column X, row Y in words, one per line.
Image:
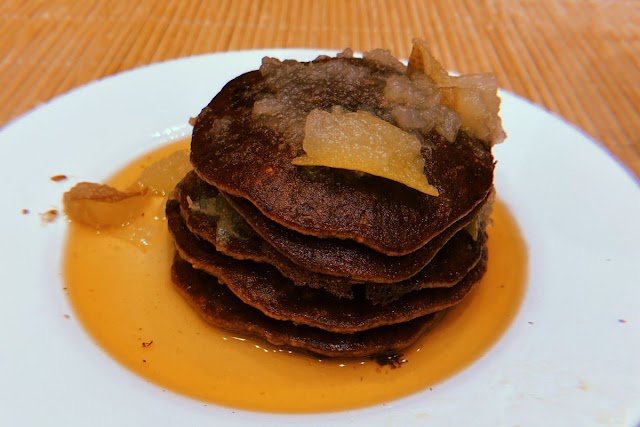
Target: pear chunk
column 102, row 206
column 474, row 97
column 360, row 141
column 162, row 176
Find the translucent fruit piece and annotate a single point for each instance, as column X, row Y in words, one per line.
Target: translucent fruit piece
column 147, row 228
column 359, row 141
column 421, row 61
column 102, row 206
column 473, row 228
column 473, row 96
column 162, row 176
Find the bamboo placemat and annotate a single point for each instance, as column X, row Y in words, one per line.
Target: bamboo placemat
column 576, row 58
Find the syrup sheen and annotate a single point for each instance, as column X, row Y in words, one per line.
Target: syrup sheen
column 119, row 285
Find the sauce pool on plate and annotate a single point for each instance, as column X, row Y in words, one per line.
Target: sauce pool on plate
column 118, row 281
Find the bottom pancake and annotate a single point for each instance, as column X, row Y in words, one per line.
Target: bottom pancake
column 220, row 307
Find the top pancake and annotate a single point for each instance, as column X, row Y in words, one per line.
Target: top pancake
column 250, row 157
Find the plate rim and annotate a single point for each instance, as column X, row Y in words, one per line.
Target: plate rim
column 249, row 417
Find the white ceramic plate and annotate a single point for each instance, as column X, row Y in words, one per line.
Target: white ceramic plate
column 577, row 364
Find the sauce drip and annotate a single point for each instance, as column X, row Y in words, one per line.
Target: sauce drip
column 119, row 285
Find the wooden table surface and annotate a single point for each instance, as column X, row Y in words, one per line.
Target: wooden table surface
column 579, row 59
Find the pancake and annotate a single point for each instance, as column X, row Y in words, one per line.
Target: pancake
column 346, row 258
column 220, row 307
column 264, row 288
column 250, row 157
column 449, row 265
column 330, row 257
column 277, row 237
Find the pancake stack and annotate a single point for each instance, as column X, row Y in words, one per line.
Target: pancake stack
column 332, row 261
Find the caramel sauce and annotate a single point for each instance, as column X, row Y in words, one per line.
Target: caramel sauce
column 120, row 288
